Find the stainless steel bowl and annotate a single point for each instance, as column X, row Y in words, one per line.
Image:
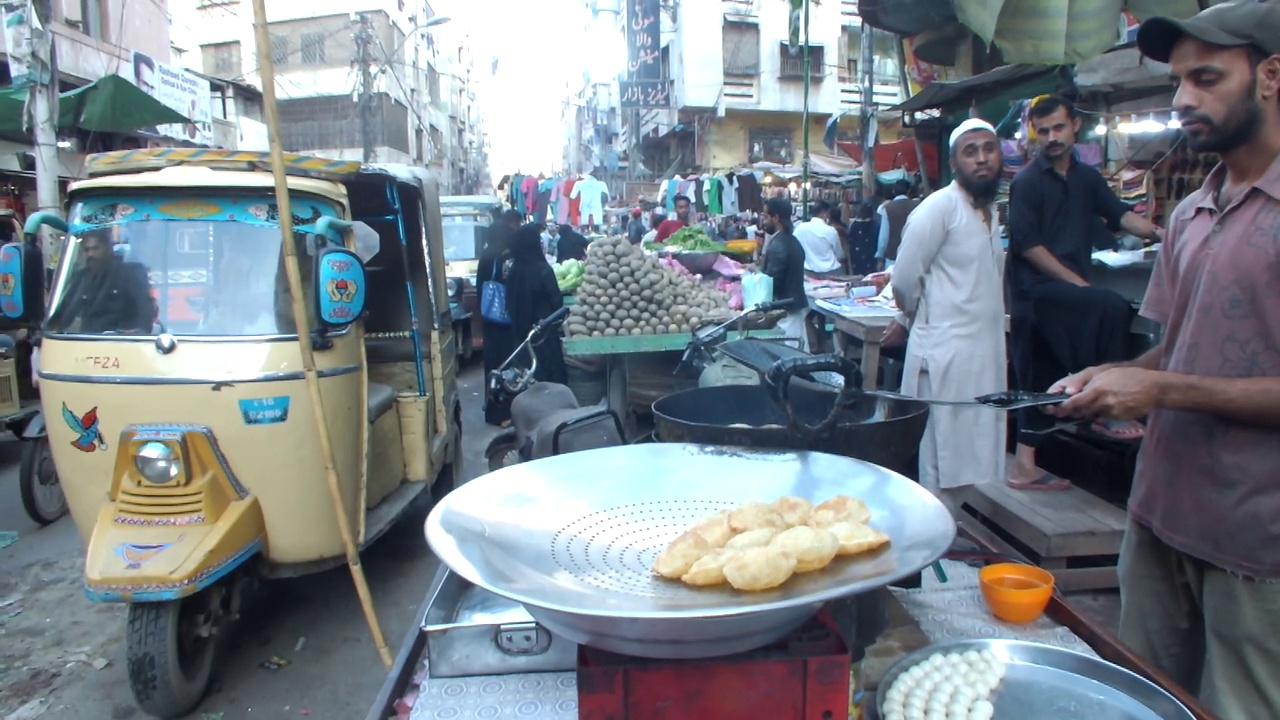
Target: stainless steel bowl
column 573, row 538
column 697, row 262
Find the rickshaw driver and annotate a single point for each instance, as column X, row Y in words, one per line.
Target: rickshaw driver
column 107, row 294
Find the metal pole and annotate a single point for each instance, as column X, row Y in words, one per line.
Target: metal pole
column 312, row 379
column 804, row 169
column 868, row 116
column 366, row 86
column 44, row 122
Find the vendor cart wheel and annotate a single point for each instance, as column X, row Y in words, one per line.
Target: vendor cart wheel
column 170, row 648
column 42, row 495
column 504, row 453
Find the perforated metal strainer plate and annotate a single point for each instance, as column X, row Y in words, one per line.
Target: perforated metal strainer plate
column 578, row 533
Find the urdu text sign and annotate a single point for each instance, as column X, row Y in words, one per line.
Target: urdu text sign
column 644, row 40
column 645, row 94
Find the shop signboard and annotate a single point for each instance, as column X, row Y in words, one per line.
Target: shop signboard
column 18, row 20
column 644, row 40
column 179, row 91
column 645, row 94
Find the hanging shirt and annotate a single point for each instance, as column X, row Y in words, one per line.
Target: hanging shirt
column 517, row 196
column 749, row 197
column 545, row 188
column 560, row 199
column 673, row 189
column 729, row 194
column 570, row 202
column 529, row 191
column 948, row 281
column 711, row 189
column 591, row 193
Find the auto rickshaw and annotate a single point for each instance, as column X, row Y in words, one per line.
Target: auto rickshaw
column 171, row 372
column 467, row 219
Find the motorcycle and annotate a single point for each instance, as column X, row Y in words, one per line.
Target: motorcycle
column 546, row 418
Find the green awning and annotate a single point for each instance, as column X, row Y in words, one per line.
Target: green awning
column 112, row 105
column 1056, row 32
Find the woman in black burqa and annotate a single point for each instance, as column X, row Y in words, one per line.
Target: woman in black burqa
column 533, row 294
column 494, row 261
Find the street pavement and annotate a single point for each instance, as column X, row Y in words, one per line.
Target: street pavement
column 62, row 657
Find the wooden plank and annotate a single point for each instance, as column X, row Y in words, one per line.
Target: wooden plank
column 1069, row 523
column 1078, row 579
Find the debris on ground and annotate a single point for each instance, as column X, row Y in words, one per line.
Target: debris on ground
column 298, row 646
column 275, row 662
column 7, row 538
column 30, row 711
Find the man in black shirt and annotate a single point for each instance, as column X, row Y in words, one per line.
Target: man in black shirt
column 1060, row 210
column 784, row 262
column 106, row 294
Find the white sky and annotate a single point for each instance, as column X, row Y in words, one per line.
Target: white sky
column 541, row 46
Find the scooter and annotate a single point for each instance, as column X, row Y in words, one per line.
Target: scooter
column 546, row 418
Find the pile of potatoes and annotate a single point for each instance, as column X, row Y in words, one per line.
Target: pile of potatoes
column 625, row 292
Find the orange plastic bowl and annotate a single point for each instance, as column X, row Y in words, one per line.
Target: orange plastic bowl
column 1015, row 592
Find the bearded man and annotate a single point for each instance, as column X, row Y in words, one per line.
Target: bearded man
column 948, row 284
column 1199, row 567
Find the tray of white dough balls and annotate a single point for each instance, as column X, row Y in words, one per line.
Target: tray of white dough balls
column 1015, row 680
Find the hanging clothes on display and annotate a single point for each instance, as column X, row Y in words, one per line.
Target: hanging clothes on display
column 711, row 188
column 573, row 201
column 543, row 204
column 749, row 197
column 729, row 193
column 529, row 194
column 591, row 195
column 560, row 202
column 516, row 196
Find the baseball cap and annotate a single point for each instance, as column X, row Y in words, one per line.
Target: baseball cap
column 1231, row 24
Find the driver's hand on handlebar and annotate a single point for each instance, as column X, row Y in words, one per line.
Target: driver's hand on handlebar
column 896, row 335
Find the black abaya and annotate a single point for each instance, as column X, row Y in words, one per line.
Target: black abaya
column 532, row 295
column 498, row 338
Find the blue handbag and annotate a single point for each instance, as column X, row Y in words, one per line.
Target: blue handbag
column 493, row 299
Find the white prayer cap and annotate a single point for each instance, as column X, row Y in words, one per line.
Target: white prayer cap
column 969, row 126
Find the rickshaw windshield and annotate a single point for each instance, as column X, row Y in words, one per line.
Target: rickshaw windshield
column 186, row 266
column 463, row 236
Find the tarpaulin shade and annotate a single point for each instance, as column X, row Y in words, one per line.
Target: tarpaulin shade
column 111, row 104
column 1057, row 32
column 900, row 155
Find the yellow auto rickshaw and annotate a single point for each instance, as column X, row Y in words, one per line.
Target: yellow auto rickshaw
column 171, row 374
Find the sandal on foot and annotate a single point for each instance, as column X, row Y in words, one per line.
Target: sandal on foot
column 1119, row 429
column 1047, row 481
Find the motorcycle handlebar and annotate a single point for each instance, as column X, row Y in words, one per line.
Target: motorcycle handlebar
column 552, row 320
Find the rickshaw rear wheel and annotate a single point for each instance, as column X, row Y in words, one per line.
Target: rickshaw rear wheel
column 42, row 495
column 451, row 475
column 170, row 651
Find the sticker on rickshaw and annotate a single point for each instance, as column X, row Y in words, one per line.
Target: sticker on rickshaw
column 135, row 554
column 265, row 411
column 88, row 434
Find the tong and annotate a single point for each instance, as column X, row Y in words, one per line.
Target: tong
column 1007, row 400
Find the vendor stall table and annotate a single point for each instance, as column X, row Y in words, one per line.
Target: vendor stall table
column 617, row 350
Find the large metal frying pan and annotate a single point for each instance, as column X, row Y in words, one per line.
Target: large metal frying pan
column 573, row 538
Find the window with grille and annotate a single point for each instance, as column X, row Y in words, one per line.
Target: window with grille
column 280, row 49
column 741, row 48
column 311, row 48
column 769, row 145
column 221, row 59
column 792, row 66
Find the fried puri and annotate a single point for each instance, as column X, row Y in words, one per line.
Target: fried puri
column 840, row 508
column 680, row 555
column 856, row 538
column 752, row 538
column 709, row 570
column 715, row 529
column 754, row 516
column 794, row 510
column 760, row 568
column 813, row 548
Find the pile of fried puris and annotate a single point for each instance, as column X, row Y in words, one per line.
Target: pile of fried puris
column 759, row 546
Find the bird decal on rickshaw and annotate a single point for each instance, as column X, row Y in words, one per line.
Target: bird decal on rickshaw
column 88, row 434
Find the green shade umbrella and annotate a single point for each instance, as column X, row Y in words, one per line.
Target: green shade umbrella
column 112, row 104
column 1058, row 32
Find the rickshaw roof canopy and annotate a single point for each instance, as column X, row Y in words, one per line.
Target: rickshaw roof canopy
column 121, row 162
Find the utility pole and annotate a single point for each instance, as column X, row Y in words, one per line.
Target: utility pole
column 364, row 40
column 808, row 80
column 44, row 123
column 868, row 112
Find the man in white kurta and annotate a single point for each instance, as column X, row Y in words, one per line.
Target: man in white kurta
column 948, row 282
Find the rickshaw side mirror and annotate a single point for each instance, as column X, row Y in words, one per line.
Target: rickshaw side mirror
column 339, row 287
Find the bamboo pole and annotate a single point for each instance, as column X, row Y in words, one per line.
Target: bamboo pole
column 267, row 69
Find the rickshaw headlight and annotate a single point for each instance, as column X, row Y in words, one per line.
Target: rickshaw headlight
column 157, row 462
column 454, row 287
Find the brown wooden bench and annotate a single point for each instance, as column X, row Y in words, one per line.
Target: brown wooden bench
column 1072, row 533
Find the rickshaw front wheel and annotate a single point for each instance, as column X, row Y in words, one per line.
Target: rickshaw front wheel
column 42, row 495
column 170, row 651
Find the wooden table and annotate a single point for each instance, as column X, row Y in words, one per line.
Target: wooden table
column 870, row 329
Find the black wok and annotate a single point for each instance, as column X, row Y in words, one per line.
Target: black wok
column 886, row 432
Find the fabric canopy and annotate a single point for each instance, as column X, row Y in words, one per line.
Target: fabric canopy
column 111, row 104
column 1057, row 32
